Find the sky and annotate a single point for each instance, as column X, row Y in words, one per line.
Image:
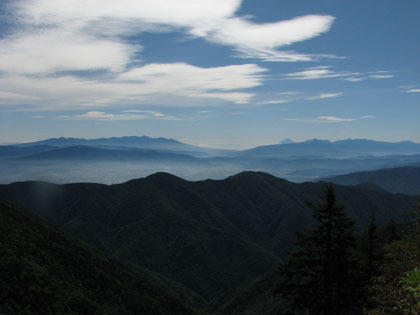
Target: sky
column 219, row 73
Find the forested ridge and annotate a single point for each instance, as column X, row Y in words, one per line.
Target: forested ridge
column 224, row 240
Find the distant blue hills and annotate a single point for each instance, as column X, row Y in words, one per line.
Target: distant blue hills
column 313, row 147
column 143, row 142
column 339, row 149
column 132, row 141
column 118, row 159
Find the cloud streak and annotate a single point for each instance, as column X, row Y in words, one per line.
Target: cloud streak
column 328, row 119
column 324, row 95
column 125, row 116
column 273, row 102
column 326, row 72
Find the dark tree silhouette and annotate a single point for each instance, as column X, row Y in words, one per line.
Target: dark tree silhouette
column 318, row 277
column 372, row 249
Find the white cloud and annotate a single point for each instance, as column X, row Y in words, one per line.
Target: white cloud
column 335, row 119
column 414, row 91
column 326, row 72
column 328, row 119
column 178, row 76
column 127, row 115
column 15, row 96
column 320, row 72
column 290, row 93
column 56, row 50
column 104, row 116
column 86, row 34
column 142, row 84
column 235, row 97
column 351, row 79
column 187, row 80
column 273, row 102
column 176, row 12
column 381, row 76
column 261, row 40
column 52, row 39
column 324, row 95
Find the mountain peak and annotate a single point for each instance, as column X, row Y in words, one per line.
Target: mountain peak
column 286, row 141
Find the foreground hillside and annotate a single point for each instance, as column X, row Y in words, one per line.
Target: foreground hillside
column 405, row 180
column 44, row 271
column 209, row 235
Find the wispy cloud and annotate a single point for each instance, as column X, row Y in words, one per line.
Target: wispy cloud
column 381, row 76
column 334, row 119
column 261, row 41
column 16, row 96
column 273, row 102
column 324, row 95
column 328, row 119
column 326, row 72
column 126, row 115
column 320, row 72
column 290, row 93
column 409, row 89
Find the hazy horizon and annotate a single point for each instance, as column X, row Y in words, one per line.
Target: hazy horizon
column 235, row 147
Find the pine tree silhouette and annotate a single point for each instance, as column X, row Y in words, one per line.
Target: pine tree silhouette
column 318, row 277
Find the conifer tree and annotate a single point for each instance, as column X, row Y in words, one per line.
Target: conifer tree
column 372, row 249
column 317, row 278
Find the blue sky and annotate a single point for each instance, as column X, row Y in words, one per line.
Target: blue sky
column 221, row 73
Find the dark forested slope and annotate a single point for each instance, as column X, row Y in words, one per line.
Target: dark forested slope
column 44, row 271
column 404, row 180
column 210, row 235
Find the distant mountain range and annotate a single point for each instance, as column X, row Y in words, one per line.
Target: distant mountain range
column 337, row 149
column 132, row 142
column 115, row 160
column 397, row 180
column 143, row 142
column 287, row 147
column 209, row 235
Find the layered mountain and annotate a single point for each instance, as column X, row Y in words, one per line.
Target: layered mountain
column 45, row 271
column 116, row 160
column 132, row 142
column 405, row 180
column 12, row 152
column 337, row 149
column 143, row 142
column 210, row 235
